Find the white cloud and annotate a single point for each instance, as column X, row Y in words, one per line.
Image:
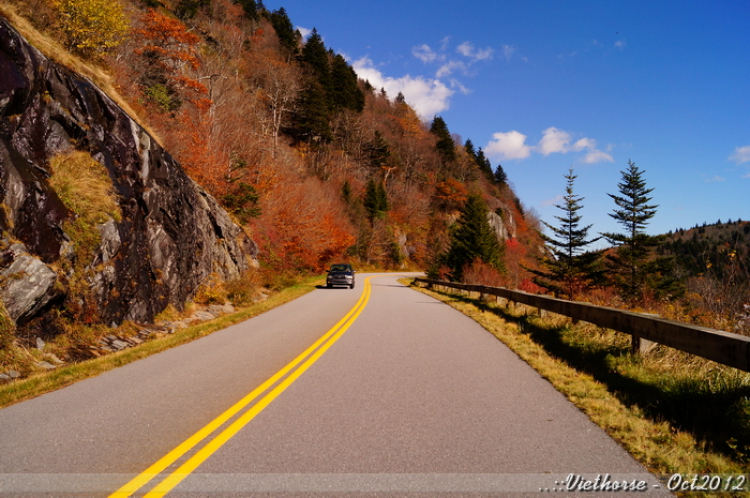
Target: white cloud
column 508, row 52
column 426, row 54
column 509, row 145
column 467, row 50
column 553, row 201
column 427, row 97
column 448, row 68
column 553, row 140
column 304, row 32
column 620, row 44
column 715, row 179
column 584, row 143
column 512, row 145
column 741, row 155
column 597, row 156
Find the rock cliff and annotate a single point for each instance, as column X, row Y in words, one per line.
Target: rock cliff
column 170, row 236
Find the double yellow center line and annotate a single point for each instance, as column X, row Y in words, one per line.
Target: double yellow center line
column 289, row 374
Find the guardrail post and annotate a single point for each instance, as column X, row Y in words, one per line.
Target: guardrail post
column 638, row 344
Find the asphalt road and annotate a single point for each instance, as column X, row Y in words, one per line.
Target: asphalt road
column 414, row 399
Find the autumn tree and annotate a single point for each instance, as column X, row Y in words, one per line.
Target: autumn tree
column 92, row 26
column 569, row 270
column 472, row 238
column 450, row 195
column 171, row 53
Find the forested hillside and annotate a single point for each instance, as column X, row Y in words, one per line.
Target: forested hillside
column 315, row 163
column 714, row 261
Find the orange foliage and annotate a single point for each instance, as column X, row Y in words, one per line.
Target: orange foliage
column 168, row 39
column 304, row 226
column 451, row 194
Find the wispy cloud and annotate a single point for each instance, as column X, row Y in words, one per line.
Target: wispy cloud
column 467, row 50
column 741, row 155
column 426, row 54
column 508, row 52
column 304, row 32
column 597, row 156
column 427, row 96
column 512, row 145
column 449, row 68
column 620, row 44
column 446, row 60
column 715, row 179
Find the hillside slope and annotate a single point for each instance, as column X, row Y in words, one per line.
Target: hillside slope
column 98, row 220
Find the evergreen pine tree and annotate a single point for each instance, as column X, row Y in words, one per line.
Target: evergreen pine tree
column 288, row 36
column 376, row 200
column 312, row 119
column 445, row 145
column 632, row 269
column 470, row 150
column 315, row 56
column 345, row 92
column 472, row 237
column 569, row 270
column 484, row 165
column 500, row 177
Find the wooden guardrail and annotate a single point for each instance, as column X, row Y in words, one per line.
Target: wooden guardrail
column 722, row 347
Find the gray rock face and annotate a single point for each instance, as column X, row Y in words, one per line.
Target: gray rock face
column 502, row 230
column 27, row 287
column 172, row 234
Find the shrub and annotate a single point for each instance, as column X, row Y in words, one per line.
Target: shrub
column 92, row 26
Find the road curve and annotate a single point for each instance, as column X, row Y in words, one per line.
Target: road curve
column 414, row 397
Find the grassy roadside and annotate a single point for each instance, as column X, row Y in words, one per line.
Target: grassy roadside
column 671, row 412
column 30, row 387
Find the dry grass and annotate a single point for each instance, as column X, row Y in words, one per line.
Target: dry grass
column 51, row 49
column 639, row 402
column 84, row 186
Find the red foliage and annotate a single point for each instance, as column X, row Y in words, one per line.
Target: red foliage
column 480, row 273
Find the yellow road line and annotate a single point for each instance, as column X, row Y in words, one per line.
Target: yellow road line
column 171, row 481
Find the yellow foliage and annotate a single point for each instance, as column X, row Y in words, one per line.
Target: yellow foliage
column 92, row 26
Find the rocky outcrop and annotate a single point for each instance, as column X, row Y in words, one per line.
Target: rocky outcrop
column 172, row 234
column 503, row 230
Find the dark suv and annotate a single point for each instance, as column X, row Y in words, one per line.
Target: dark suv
column 340, row 275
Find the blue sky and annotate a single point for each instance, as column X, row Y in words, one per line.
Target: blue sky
column 546, row 85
